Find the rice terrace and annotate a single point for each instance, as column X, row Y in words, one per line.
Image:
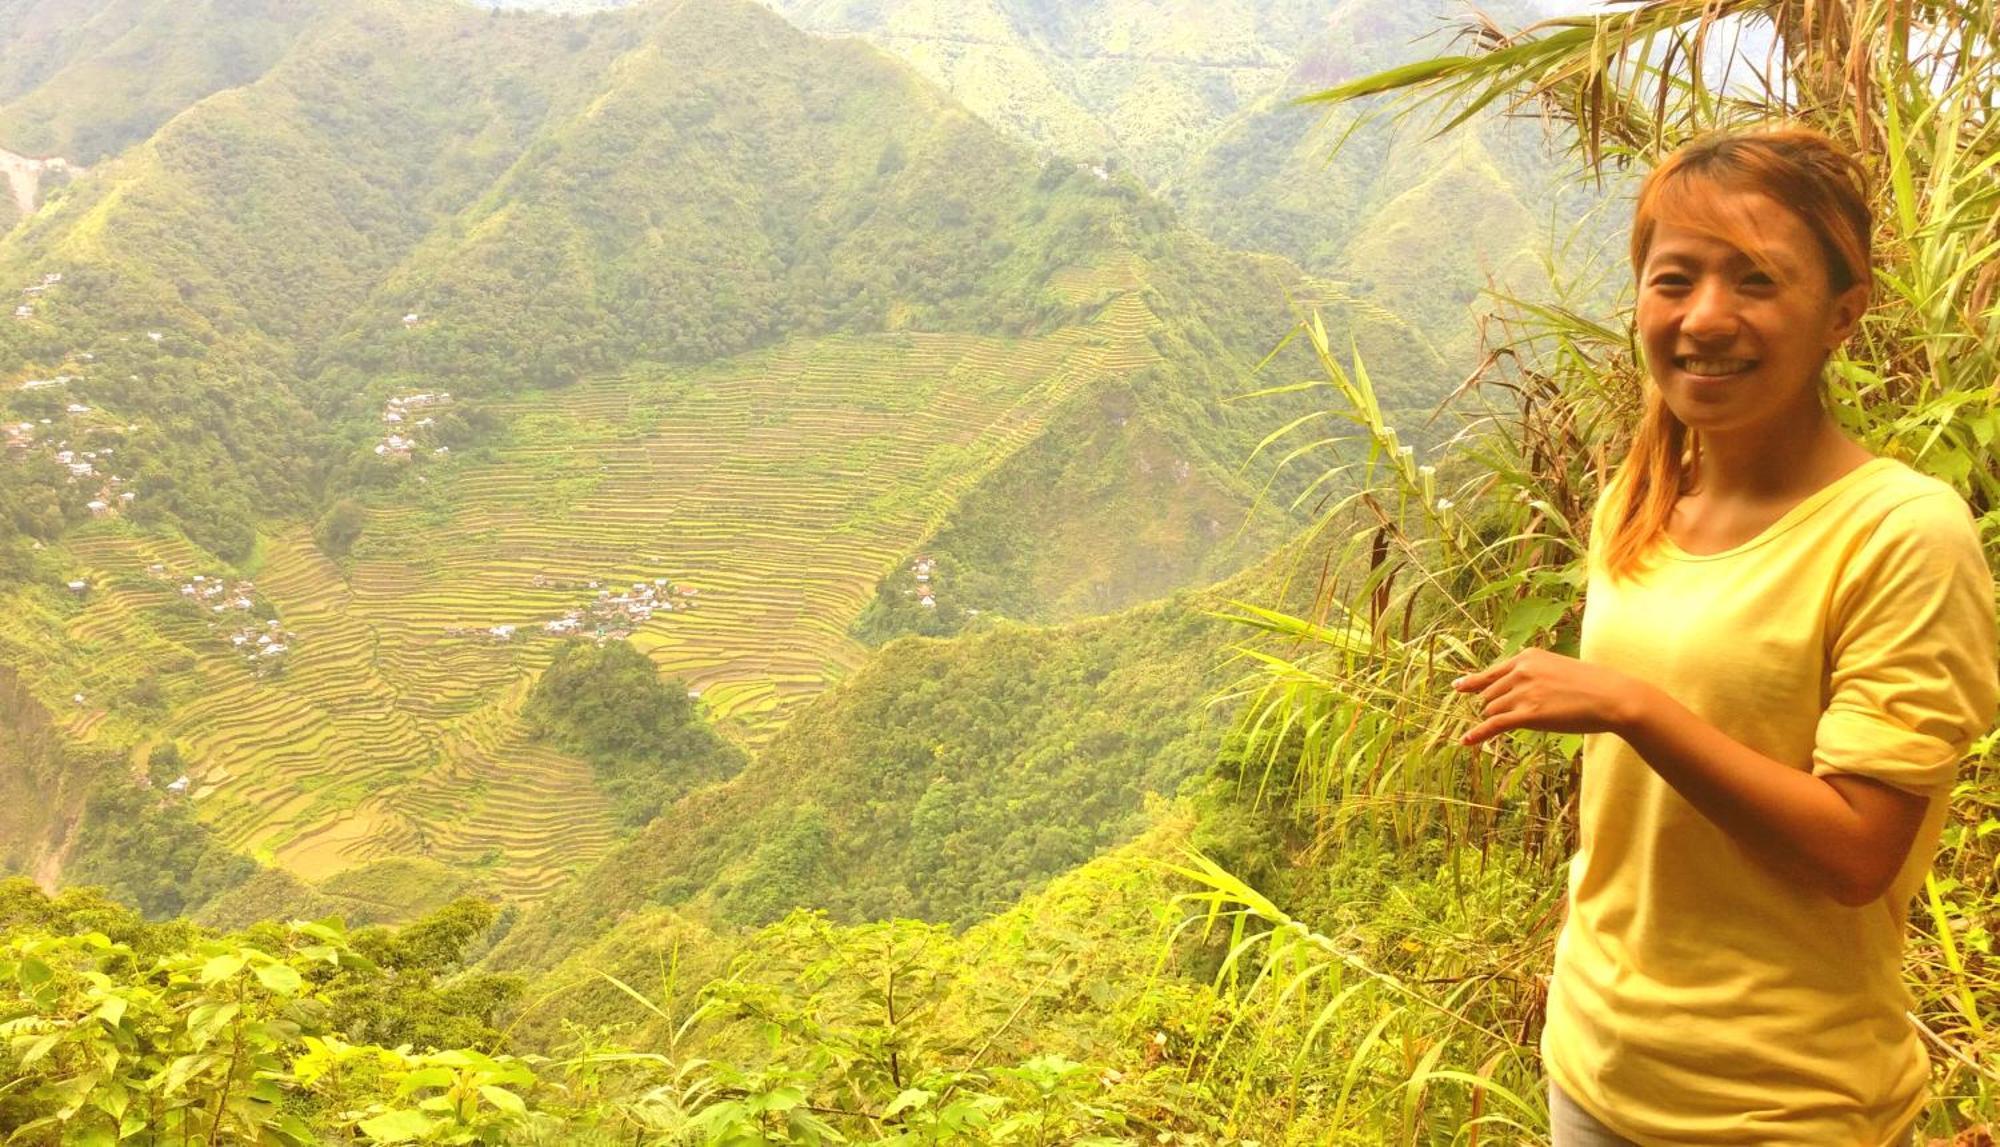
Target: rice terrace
column 777, row 489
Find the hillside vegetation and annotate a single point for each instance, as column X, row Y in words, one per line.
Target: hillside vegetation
column 1197, row 103
column 449, row 335
column 572, row 758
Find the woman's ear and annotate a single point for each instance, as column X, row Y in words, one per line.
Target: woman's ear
column 1848, row 307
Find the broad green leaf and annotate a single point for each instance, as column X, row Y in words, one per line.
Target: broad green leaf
column 207, row 1020
column 112, row 1099
column 1530, row 616
column 181, row 1070
column 504, row 1099
column 39, row 1048
column 399, row 1125
column 279, row 979
column 425, row 1077
column 221, row 968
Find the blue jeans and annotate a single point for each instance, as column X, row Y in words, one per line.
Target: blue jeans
column 1572, row 1126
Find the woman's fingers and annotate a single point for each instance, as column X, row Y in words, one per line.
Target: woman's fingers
column 1480, row 680
column 1488, row 729
column 1501, row 709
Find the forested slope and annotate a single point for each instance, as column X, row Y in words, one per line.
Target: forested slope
column 84, row 79
column 669, row 263
column 1198, row 104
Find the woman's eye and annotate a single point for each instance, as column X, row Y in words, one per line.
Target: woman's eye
column 1669, row 282
column 1759, row 279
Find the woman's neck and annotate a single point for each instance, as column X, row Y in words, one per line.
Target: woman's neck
column 1792, row 459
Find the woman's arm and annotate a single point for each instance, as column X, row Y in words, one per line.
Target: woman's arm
column 1846, row 836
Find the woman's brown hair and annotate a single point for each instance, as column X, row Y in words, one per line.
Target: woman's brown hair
column 1799, row 168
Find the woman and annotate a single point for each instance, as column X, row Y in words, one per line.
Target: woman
column 1788, row 645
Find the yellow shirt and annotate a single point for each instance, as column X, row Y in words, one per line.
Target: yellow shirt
column 1699, row 998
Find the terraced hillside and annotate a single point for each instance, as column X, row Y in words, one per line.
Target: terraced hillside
column 773, row 491
column 739, row 320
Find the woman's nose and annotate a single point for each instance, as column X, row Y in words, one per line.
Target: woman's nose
column 1711, row 313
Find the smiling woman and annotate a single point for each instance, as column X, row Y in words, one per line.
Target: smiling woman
column 1788, row 646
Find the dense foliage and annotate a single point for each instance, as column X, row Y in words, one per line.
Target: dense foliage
column 147, row 848
column 942, row 781
column 643, row 736
column 1451, row 566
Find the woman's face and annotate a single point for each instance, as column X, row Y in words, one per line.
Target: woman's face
column 1736, row 343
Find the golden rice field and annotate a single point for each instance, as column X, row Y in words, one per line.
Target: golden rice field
column 780, row 486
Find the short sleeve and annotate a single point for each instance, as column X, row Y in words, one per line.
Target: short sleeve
column 1911, row 645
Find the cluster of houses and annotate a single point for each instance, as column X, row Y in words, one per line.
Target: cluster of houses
column 83, row 465
column 616, row 615
column 609, row 617
column 925, row 592
column 21, row 435
column 263, row 644
column 27, row 310
column 405, row 418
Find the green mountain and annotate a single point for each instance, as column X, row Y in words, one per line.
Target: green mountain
column 1197, row 102
column 84, row 79
column 697, row 329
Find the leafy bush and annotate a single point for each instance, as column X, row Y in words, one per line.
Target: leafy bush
column 643, row 737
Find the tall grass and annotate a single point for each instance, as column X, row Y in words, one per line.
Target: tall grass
column 1428, row 570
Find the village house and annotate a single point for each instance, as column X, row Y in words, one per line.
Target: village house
column 24, row 311
column 97, row 508
column 179, row 785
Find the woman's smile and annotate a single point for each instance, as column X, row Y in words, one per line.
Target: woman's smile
column 1736, row 338
column 1714, row 369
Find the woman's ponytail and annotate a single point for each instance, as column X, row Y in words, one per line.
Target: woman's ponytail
column 1655, row 475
